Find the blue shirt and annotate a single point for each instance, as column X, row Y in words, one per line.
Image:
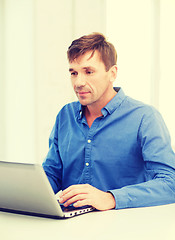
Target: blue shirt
column 127, row 151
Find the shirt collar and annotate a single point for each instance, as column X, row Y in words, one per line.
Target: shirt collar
column 80, row 111
column 115, row 102
column 110, row 107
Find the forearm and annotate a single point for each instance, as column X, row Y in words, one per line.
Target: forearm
column 53, row 183
column 158, row 191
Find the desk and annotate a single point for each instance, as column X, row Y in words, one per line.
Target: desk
column 153, row 223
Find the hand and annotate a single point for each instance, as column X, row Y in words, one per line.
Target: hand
column 85, row 194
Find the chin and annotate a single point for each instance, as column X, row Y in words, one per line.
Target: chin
column 83, row 103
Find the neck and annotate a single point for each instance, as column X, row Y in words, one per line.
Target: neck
column 96, row 107
column 93, row 111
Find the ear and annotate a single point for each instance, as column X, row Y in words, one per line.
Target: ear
column 113, row 74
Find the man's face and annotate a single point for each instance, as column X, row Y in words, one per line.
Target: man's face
column 90, row 80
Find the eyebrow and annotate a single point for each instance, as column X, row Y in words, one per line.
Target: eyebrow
column 85, row 68
column 88, row 67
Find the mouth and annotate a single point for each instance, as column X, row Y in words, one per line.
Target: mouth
column 82, row 93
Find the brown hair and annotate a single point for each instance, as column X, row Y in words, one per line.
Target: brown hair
column 93, row 42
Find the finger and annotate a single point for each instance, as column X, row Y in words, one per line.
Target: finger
column 71, row 192
column 81, row 203
column 69, row 195
column 74, row 199
column 74, row 187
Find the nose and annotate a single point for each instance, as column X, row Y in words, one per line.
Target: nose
column 80, row 81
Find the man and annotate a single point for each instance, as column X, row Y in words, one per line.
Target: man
column 107, row 150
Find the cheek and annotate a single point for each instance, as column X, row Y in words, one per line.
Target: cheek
column 93, row 87
column 101, row 85
column 73, row 83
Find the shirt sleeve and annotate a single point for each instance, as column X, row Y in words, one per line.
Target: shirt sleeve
column 159, row 162
column 52, row 164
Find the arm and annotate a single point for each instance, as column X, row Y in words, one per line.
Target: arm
column 159, row 160
column 158, row 191
column 52, row 164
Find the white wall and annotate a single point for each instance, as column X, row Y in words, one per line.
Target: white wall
column 143, row 33
column 167, row 64
column 18, row 80
column 52, row 85
column 57, row 23
column 37, row 35
column 128, row 27
column 2, row 107
column 34, row 78
column 88, row 16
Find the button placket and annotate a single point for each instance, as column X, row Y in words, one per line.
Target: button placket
column 88, row 149
column 88, row 160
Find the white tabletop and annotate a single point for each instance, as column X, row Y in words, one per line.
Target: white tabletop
column 153, row 223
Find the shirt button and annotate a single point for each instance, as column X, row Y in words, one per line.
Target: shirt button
column 89, row 141
column 87, row 164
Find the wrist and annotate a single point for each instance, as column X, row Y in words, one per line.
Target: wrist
column 112, row 202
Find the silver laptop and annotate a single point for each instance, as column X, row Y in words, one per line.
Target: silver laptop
column 25, row 189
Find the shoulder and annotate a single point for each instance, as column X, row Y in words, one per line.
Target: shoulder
column 147, row 109
column 68, row 110
column 143, row 114
column 139, row 107
column 149, row 118
column 73, row 106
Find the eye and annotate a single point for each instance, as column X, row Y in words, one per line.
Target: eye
column 74, row 73
column 89, row 72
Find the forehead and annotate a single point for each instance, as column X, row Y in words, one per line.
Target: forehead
column 87, row 59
